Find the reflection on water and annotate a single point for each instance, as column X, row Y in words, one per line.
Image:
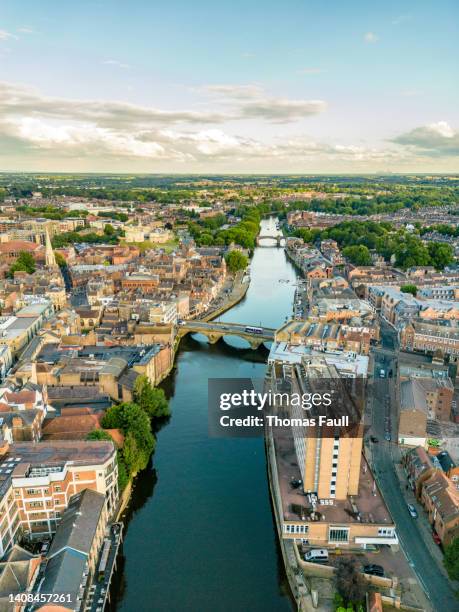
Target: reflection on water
column 200, row 533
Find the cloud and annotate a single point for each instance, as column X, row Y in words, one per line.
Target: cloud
column 280, row 110
column 235, row 91
column 251, row 102
column 4, row 35
column 53, row 133
column 112, row 62
column 18, row 101
column 370, row 37
column 26, row 30
column 434, row 139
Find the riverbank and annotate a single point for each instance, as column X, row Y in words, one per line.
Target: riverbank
column 203, row 502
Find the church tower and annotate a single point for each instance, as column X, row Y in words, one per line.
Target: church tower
column 50, row 257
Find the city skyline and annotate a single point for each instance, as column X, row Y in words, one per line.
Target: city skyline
column 227, row 89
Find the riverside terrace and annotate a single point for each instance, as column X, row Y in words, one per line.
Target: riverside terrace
column 353, row 523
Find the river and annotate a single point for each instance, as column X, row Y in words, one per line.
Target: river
column 200, row 533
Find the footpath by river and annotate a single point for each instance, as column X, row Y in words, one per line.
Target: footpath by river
column 200, row 533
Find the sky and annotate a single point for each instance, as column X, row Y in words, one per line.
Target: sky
column 240, row 86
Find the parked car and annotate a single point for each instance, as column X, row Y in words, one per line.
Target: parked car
column 412, row 510
column 436, row 538
column 374, row 570
column 374, row 439
column 387, row 437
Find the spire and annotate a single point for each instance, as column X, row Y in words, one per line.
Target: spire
column 50, row 258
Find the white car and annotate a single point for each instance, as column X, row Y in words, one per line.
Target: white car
column 412, row 510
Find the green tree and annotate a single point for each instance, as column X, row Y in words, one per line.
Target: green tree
column 24, row 263
column 123, row 474
column 109, row 230
column 441, row 254
column 99, row 434
column 152, row 400
column 411, row 252
column 451, row 559
column 113, row 418
column 235, row 260
column 60, row 260
column 409, row 289
column 358, row 255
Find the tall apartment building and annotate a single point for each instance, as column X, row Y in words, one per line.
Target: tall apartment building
column 330, row 465
column 324, row 493
column 37, row 481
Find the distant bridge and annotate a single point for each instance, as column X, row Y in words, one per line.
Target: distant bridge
column 278, row 238
column 214, row 331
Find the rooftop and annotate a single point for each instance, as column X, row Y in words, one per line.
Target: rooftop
column 369, row 502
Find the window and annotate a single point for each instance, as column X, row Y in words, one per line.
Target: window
column 338, row 534
column 295, row 529
column 36, row 504
column 386, row 531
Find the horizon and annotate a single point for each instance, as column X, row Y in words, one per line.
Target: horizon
column 172, row 88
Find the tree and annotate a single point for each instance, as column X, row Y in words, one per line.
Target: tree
column 139, row 441
column 123, row 474
column 109, row 230
column 60, row 260
column 152, row 400
column 24, row 263
column 409, row 289
column 451, row 559
column 358, row 255
column 441, row 254
column 411, row 252
column 349, row 581
column 99, row 434
column 235, row 260
column 113, row 418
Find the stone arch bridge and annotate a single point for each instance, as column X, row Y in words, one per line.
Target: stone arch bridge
column 214, row 331
column 280, row 240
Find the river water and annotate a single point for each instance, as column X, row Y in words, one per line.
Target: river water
column 200, row 533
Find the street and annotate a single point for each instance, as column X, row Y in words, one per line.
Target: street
column 385, row 455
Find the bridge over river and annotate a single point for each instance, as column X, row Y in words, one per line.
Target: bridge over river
column 278, row 238
column 213, row 330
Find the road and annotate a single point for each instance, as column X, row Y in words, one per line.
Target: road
column 384, row 457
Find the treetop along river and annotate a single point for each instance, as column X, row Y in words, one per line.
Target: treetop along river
column 200, row 531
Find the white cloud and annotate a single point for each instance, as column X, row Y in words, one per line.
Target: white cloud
column 51, row 133
column 370, row 37
column 433, row 139
column 112, row 62
column 26, row 30
column 4, row 35
column 235, row 91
